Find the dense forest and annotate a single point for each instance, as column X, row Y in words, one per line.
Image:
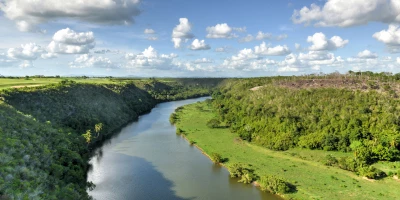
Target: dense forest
column 49, row 132
column 356, row 113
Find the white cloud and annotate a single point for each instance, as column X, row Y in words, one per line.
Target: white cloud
column 67, row 41
column 29, row 51
column 269, row 36
column 390, row 37
column 297, row 46
column 150, row 59
column 240, row 29
column 152, row 38
column 5, row 61
column 87, row 60
column 265, row 50
column 248, row 38
column 203, row 60
column 220, row 49
column 366, row 54
column 220, row 31
column 182, row 32
column 199, row 45
column 49, row 55
column 398, row 60
column 26, row 64
column 149, row 31
column 321, row 43
column 346, row 13
column 27, row 14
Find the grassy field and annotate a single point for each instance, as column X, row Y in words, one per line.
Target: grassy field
column 299, row 167
column 33, row 82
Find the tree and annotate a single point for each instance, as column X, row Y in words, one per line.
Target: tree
column 97, row 128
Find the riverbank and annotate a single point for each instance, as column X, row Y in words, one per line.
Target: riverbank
column 48, row 132
column 312, row 179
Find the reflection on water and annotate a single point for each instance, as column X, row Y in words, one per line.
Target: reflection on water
column 148, row 161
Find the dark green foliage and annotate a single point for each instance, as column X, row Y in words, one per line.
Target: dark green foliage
column 213, row 123
column 280, row 116
column 275, row 185
column 173, row 118
column 179, row 131
column 47, row 133
column 246, row 175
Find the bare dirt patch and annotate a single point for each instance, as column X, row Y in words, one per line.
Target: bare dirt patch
column 21, row 86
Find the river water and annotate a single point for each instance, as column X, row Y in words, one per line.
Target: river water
column 148, row 161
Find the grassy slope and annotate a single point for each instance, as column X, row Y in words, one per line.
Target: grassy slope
column 313, row 179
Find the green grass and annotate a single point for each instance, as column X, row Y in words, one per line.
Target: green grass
column 299, row 167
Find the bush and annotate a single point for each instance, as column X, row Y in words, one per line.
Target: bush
column 179, row 131
column 275, row 185
column 330, row 161
column 371, row 172
column 216, row 158
column 247, row 176
column 173, row 118
column 236, row 170
column 213, row 123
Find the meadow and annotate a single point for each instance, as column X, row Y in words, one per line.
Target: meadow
column 300, row 167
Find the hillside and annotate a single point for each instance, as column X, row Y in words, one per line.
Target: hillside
column 49, row 131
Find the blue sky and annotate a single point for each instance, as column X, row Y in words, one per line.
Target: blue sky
column 241, row 38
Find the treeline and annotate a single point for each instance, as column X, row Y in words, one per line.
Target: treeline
column 48, row 132
column 366, row 122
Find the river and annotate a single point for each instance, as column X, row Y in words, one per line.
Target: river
column 148, row 161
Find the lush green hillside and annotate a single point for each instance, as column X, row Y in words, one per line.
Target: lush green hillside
column 304, row 169
column 48, row 131
column 340, row 125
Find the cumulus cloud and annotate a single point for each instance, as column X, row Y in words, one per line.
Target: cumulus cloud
column 88, row 60
column 149, row 31
column 220, row 31
column 30, row 51
column 398, row 60
column 67, row 41
column 265, row 50
column 390, row 37
column 366, row 54
column 49, row 55
column 182, row 32
column 150, row 59
column 5, row 61
column 321, row 43
column 344, row 13
column 199, row 45
column 27, row 14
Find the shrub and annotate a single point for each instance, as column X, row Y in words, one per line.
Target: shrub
column 247, row 176
column 330, row 160
column 371, row 172
column 236, row 170
column 275, row 185
column 213, row 123
column 173, row 118
column 216, row 158
column 179, row 131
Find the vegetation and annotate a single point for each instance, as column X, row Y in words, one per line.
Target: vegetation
column 48, row 132
column 302, row 170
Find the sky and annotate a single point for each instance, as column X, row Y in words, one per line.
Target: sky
column 198, row 38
